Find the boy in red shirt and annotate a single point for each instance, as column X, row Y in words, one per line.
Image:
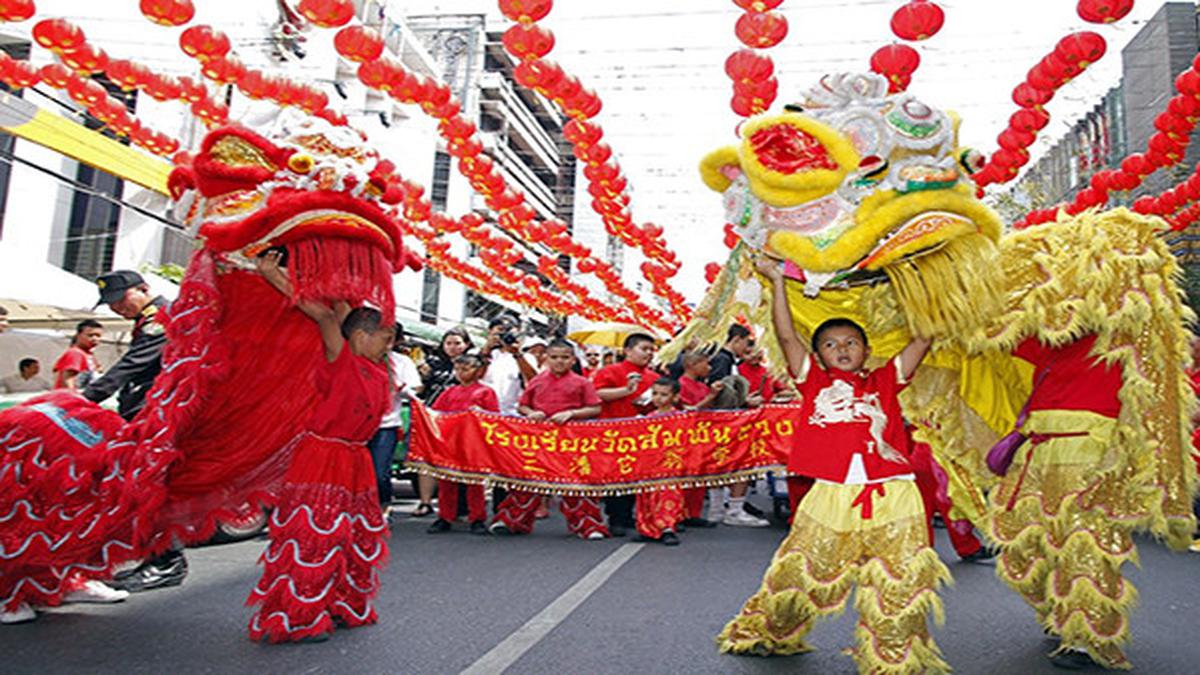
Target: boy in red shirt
column 693, row 394
column 80, row 357
column 557, row 395
column 328, row 536
column 469, row 393
column 862, row 521
column 622, row 388
column 660, row 512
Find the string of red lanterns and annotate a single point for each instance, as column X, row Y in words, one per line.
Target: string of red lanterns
column 1103, row 11
column 915, row 21
column 753, row 73
column 1069, row 59
column 529, row 43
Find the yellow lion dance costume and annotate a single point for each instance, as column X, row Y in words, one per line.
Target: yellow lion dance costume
column 867, row 196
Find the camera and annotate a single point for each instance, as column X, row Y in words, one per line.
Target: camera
column 510, row 337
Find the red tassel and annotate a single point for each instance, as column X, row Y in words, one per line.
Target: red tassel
column 331, row 269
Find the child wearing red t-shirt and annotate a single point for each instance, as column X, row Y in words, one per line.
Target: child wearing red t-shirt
column 660, row 512
column 622, row 388
column 556, row 395
column 328, row 536
column 863, row 520
column 467, row 394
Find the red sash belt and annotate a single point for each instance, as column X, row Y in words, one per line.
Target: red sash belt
column 865, row 497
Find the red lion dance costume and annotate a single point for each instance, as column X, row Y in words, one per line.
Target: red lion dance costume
column 81, row 492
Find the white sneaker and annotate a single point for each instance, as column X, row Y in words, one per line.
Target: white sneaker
column 595, row 535
column 96, row 592
column 24, row 613
column 743, row 519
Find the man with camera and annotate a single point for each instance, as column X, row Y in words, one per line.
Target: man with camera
column 508, row 369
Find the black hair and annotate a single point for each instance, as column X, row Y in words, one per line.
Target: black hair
column 736, row 330
column 366, row 319
column 25, row 363
column 837, row 322
column 636, row 339
column 503, row 320
column 559, row 343
column 86, row 324
column 461, row 333
column 474, row 360
column 688, row 358
column 3, row 310
column 669, row 382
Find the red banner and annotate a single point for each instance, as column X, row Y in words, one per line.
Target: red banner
column 603, row 457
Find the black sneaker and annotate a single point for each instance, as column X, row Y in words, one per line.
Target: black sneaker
column 986, row 555
column 478, row 527
column 438, row 526
column 698, row 522
column 169, row 569
column 616, row 530
column 1070, row 658
column 753, row 510
column 669, row 539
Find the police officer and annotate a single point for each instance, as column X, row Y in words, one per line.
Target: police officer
column 126, row 293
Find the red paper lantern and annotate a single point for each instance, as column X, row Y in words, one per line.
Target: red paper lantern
column 763, row 92
column 918, row 20
column 85, row 91
column 1145, row 205
column 16, row 10
column 225, row 70
column 1015, row 139
column 1163, row 145
column 897, row 63
column 55, row 75
column 106, row 109
column 538, row 74
column 528, row 41
column 1136, row 164
column 1104, row 11
column 1083, row 48
column 204, row 43
column 128, row 75
column 257, row 85
column 1174, row 126
column 58, row 35
column 746, row 65
column 1028, row 96
column 581, row 133
column 191, row 90
column 1039, row 78
column 567, row 86
column 761, row 30
column 1184, row 106
column 526, row 11
column 1029, row 119
column 1188, row 82
column 378, row 74
column 327, row 13
column 86, row 60
column 168, row 12
column 584, row 105
column 358, row 43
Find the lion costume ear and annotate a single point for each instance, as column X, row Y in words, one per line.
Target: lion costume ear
column 718, row 168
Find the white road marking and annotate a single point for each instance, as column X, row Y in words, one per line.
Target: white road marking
column 524, row 638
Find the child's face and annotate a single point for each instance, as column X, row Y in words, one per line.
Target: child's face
column 467, row 373
column 559, row 360
column 373, row 345
column 640, row 354
column 842, row 348
column 662, row 397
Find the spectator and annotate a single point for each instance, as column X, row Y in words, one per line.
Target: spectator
column 406, row 383
column 761, row 383
column 591, row 359
column 737, row 343
column 26, row 379
column 437, row 370
column 622, row 388
column 472, row 393
column 723, row 365
column 507, row 369
column 80, row 358
column 607, row 359
column 535, row 348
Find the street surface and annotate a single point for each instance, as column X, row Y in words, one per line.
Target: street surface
column 455, row 601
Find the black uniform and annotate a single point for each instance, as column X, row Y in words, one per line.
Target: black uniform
column 131, row 377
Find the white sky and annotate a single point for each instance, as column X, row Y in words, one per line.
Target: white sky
column 657, row 65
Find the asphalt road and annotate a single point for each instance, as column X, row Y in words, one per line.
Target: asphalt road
column 448, row 601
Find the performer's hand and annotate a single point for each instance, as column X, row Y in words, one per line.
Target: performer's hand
column 754, row 400
column 717, row 387
column 562, row 417
column 268, row 263
column 536, row 416
column 769, row 268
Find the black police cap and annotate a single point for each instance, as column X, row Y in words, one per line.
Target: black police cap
column 114, row 284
